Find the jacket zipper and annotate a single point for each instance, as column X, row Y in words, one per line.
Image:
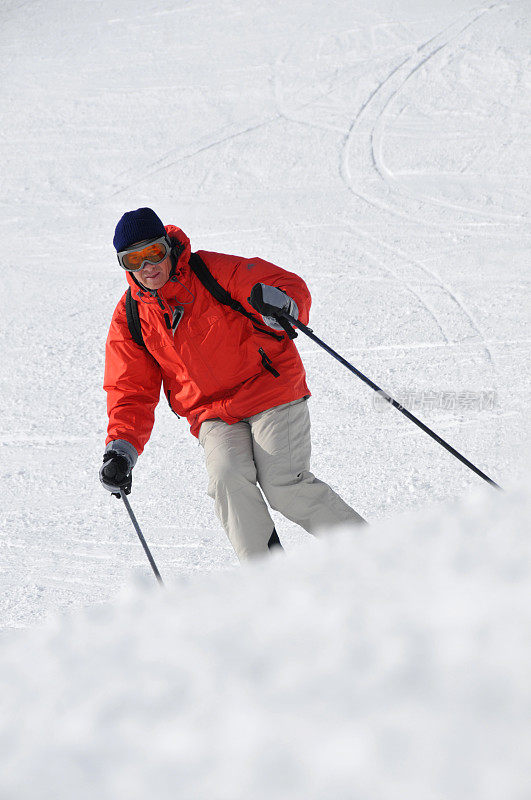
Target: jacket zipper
column 165, row 314
column 277, row 336
column 267, row 363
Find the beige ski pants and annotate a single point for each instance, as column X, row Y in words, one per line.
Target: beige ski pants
column 273, row 449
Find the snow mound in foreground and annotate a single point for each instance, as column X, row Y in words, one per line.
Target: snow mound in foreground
column 392, row 662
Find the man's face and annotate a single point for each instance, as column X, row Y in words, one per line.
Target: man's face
column 154, row 276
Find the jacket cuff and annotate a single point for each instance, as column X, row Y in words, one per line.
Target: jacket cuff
column 123, row 448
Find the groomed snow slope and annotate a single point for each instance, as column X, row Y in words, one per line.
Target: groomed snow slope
column 385, row 664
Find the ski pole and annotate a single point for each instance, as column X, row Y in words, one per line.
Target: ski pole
column 141, row 537
column 309, row 332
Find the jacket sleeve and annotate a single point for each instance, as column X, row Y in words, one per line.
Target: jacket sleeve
column 239, row 275
column 132, row 382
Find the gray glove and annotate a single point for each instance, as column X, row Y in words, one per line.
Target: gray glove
column 266, row 299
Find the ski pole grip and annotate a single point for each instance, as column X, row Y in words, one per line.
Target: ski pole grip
column 290, row 330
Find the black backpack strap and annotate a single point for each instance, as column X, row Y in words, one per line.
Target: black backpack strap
column 133, row 319
column 200, row 269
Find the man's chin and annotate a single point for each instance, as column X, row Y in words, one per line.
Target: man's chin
column 154, row 283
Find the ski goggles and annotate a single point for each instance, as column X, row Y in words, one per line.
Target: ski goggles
column 135, row 258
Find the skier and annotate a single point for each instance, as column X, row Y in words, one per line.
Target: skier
column 236, row 377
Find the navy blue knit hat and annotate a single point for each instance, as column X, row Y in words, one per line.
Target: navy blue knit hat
column 135, row 226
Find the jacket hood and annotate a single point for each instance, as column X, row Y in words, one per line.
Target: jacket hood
column 178, row 237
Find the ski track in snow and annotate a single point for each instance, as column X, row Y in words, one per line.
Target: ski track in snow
column 446, row 289
column 396, row 71
column 378, row 128
column 381, row 98
column 154, row 167
column 390, row 88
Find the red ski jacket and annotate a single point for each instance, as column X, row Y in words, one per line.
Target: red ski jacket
column 211, row 365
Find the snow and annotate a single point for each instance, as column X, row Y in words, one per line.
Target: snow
column 380, row 151
column 389, row 662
